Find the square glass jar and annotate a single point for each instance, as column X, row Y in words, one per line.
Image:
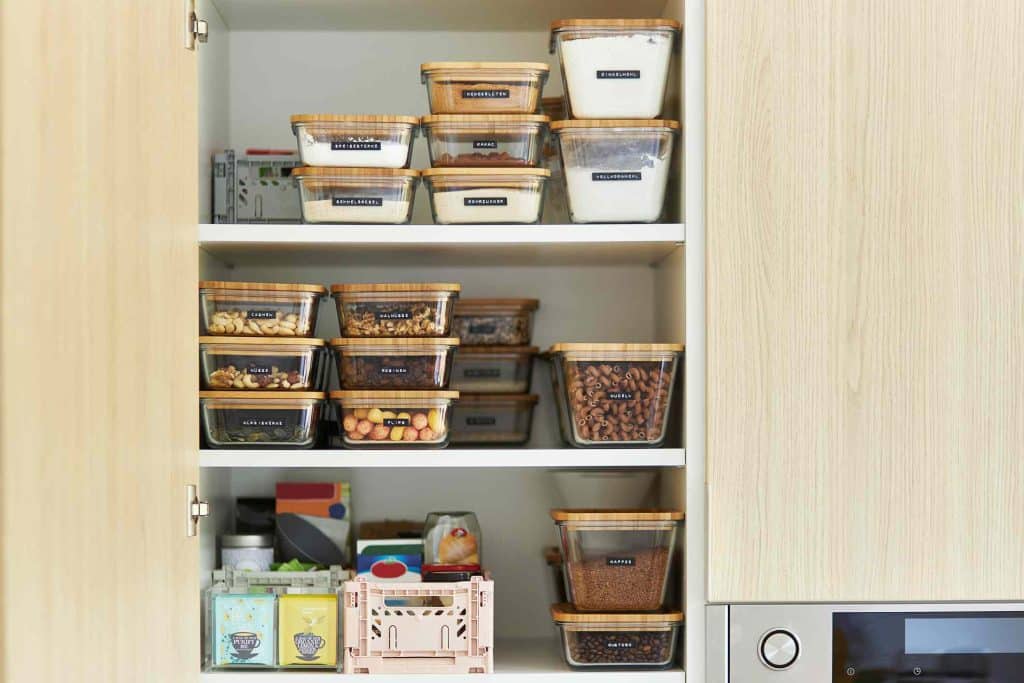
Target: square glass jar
column 617, row 641
column 260, row 419
column 260, row 309
column 356, row 195
column 355, row 140
column 394, row 362
column 260, row 364
column 469, row 140
column 394, row 419
column 486, row 195
column 392, row 309
column 484, row 87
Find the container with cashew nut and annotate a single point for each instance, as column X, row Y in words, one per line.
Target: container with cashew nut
column 394, row 419
column 258, row 309
column 391, row 309
column 258, row 364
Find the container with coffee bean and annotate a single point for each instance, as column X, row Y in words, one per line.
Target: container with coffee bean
column 617, row 640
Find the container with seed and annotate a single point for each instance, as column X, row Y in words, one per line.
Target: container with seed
column 592, row 641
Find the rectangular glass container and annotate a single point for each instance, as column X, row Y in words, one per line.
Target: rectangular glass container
column 261, row 309
column 356, row 195
column 395, row 362
column 414, row 309
column 360, row 140
column 493, row 369
column 635, row 642
column 260, row 364
column 484, row 87
column 494, row 322
column 461, row 140
column 493, row 418
column 486, row 195
column 394, row 419
column 260, row 419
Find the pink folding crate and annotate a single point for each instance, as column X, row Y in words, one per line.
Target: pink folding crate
column 436, row 628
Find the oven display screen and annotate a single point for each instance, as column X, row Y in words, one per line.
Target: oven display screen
column 964, row 635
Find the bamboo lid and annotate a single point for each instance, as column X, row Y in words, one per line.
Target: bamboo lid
column 497, row 350
column 348, row 172
column 585, row 515
column 262, row 341
column 396, row 287
column 261, row 286
column 464, row 305
column 670, row 24
column 485, row 118
column 570, row 124
column 500, row 172
column 485, row 66
column 265, row 395
column 587, row 346
column 565, row 612
column 341, row 342
column 470, row 399
column 354, row 118
column 393, row 394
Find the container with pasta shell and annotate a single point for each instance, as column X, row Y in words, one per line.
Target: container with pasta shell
column 484, row 87
column 360, row 140
column 639, row 641
column 260, row 364
column 486, row 195
column 394, row 419
column 494, row 322
column 260, row 419
column 356, row 195
column 394, row 309
column 461, row 140
column 493, row 369
column 493, row 418
column 394, row 362
column 260, row 309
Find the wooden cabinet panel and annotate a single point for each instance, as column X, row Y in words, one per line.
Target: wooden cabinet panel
column 98, row 193
column 865, row 241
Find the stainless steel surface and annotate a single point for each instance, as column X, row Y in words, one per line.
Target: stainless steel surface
column 779, row 649
column 195, row 509
column 716, row 664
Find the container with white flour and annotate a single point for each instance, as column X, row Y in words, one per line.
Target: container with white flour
column 486, row 195
column 616, row 171
column 362, row 140
column 356, row 195
column 614, row 68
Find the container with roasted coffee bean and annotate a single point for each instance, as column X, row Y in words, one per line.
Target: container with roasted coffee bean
column 617, row 640
column 394, row 362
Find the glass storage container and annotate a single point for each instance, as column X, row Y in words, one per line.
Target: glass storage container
column 261, row 309
column 493, row 369
column 394, row 363
column 452, row 543
column 556, row 206
column 616, row 171
column 494, row 322
column 394, row 419
column 613, row 394
column 255, row 364
column 308, row 631
column 260, row 419
column 614, row 68
column 634, row 642
column 356, row 195
column 486, row 195
column 243, row 633
column 493, row 418
column 361, row 140
column 484, row 87
column 461, row 140
column 416, row 309
column 247, row 552
column 617, row 560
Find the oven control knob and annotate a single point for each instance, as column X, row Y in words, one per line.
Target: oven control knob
column 779, row 649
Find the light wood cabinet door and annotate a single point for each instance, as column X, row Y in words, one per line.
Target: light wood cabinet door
column 98, row 269
column 865, row 300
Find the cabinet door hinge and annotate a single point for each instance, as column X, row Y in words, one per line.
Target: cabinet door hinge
column 195, row 510
column 196, row 29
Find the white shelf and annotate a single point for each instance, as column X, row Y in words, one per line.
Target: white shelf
column 448, row 457
column 524, row 660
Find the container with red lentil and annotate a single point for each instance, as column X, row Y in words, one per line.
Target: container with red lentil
column 617, row 640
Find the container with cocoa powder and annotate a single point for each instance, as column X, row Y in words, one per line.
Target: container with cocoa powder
column 638, row 641
column 484, row 87
column 617, row 560
column 395, row 362
column 613, row 394
column 461, row 140
column 394, row 309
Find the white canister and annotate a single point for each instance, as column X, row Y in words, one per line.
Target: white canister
column 247, row 552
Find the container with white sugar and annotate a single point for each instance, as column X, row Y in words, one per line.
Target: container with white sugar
column 363, row 140
column 486, row 195
column 616, row 171
column 356, row 195
column 614, row 68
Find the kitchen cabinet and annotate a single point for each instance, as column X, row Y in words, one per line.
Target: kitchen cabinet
column 865, row 301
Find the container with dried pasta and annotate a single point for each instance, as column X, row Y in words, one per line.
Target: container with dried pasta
column 395, row 362
column 493, row 418
column 417, row 309
column 356, row 195
column 484, row 87
column 460, row 140
column 260, row 419
column 394, row 419
column 494, row 322
column 614, row 394
column 486, row 195
column 257, row 364
column 258, row 309
column 639, row 641
column 493, row 369
column 360, row 140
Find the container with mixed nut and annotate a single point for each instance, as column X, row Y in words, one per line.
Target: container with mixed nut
column 394, row 309
column 394, row 363
column 255, row 419
column 494, row 322
column 260, row 364
column 638, row 641
column 258, row 309
column 394, row 419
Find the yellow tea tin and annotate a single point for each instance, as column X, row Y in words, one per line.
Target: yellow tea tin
column 307, row 630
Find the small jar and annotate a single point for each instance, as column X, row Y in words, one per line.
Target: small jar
column 247, row 552
column 451, row 543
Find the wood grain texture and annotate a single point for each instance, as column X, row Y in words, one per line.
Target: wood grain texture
column 98, row 268
column 865, row 213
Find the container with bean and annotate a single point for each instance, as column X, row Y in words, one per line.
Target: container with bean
column 258, row 309
column 617, row 640
column 394, row 363
column 494, row 322
column 394, row 419
column 395, row 309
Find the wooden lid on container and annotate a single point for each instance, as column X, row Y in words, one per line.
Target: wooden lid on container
column 463, row 305
column 469, row 399
column 261, row 286
column 394, row 341
column 563, row 611
column 485, row 118
column 397, row 287
column 662, row 23
column 569, row 124
column 343, row 394
column 477, row 171
column 349, row 172
column 599, row 346
column 486, row 66
column 264, row 395
column 354, row 118
column 592, row 515
column 497, row 350
column 262, row 341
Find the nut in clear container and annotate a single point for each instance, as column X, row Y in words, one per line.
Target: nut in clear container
column 356, row 195
column 360, row 140
column 617, row 641
column 260, row 364
column 395, row 362
column 486, row 195
column 415, row 309
column 461, row 140
column 394, row 419
column 259, row 309
column 494, row 322
column 484, row 87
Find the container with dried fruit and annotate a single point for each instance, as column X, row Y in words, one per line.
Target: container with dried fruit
column 484, row 87
column 356, row 195
column 418, row 309
column 259, row 309
column 494, row 322
column 493, row 369
column 260, row 419
column 640, row 641
column 258, row 364
column 394, row 419
column 360, row 140
column 614, row 394
column 461, row 140
column 394, row 363
column 493, row 418
column 617, row 560
column 486, row 195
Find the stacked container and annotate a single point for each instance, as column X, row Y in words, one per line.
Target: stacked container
column 355, row 167
column 492, row 371
column 394, row 363
column 615, row 152
column 261, row 369
column 616, row 569
column 485, row 141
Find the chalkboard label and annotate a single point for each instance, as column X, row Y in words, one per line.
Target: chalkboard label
column 620, row 395
column 485, row 201
column 619, row 645
column 357, row 201
column 485, row 144
column 618, row 74
column 261, row 315
column 621, row 561
column 393, row 371
column 616, row 176
column 481, row 372
column 481, row 421
column 488, row 94
column 356, row 146
column 263, row 422
column 394, row 315
column 483, row 329
column 396, row 422
column 258, row 370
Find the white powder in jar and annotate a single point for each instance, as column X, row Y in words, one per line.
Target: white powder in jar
column 379, row 211
column 617, row 76
column 366, row 152
column 487, row 205
column 604, row 195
